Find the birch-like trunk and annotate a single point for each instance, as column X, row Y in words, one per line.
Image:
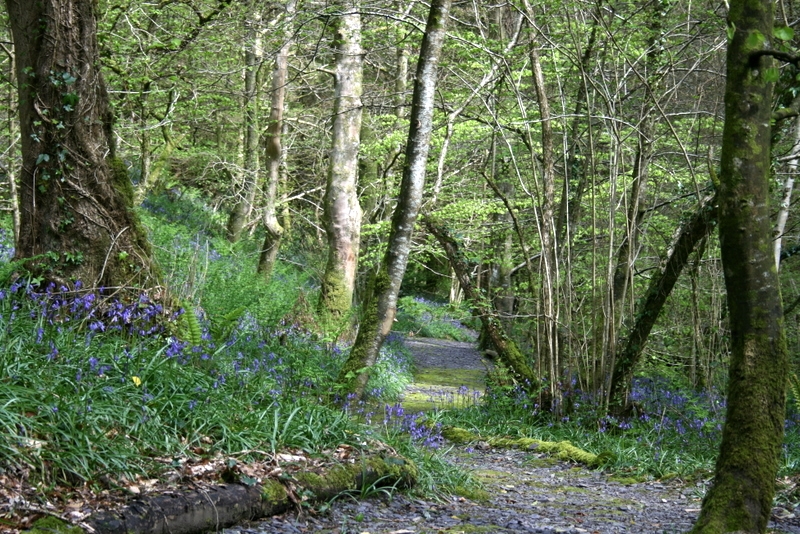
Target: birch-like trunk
column 342, row 217
column 273, row 152
column 381, row 305
column 788, row 188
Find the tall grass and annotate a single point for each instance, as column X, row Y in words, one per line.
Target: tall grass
column 91, row 386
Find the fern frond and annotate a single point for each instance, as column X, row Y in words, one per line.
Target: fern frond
column 222, row 327
column 794, row 388
column 189, row 326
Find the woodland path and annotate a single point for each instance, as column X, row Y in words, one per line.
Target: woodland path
column 528, row 492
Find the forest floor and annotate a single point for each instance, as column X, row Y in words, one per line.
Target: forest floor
column 527, row 491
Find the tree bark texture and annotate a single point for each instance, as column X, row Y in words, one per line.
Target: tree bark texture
column 740, row 498
column 342, row 217
column 688, row 235
column 215, row 507
column 273, row 155
column 75, row 196
column 381, row 306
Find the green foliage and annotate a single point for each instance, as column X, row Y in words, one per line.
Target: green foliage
column 190, row 330
column 420, row 317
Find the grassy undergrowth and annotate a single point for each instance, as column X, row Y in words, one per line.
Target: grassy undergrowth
column 94, row 389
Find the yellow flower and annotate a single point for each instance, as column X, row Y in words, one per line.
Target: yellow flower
column 137, row 381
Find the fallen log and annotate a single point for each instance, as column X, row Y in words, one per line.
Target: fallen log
column 220, row 506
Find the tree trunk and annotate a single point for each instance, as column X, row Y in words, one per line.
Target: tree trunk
column 252, row 57
column 381, row 304
column 547, row 338
column 273, row 155
column 75, row 195
column 740, row 498
column 507, row 351
column 342, row 216
column 691, row 232
column 10, row 169
column 788, row 188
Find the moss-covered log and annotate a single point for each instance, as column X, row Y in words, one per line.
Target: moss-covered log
column 210, row 509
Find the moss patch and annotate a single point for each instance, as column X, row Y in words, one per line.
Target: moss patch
column 273, row 492
column 390, row 471
column 51, row 525
column 474, row 494
column 439, row 376
column 627, row 481
column 562, row 450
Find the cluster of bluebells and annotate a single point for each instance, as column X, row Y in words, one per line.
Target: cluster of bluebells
column 415, row 425
column 61, row 305
column 463, row 397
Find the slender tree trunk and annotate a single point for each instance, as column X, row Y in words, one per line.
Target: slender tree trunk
column 691, row 232
column 10, row 169
column 740, row 498
column 381, row 305
column 548, row 267
column 273, row 154
column 75, row 195
column 622, row 280
column 253, row 57
column 151, row 171
column 507, row 351
column 342, row 217
column 788, row 188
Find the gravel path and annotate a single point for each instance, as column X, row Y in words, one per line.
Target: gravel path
column 529, row 493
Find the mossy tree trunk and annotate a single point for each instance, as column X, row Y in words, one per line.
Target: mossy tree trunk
column 740, row 498
column 75, row 195
column 381, row 304
column 686, row 238
column 342, row 217
column 273, row 154
column 507, row 351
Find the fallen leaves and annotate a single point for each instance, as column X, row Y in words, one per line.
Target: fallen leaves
column 22, row 503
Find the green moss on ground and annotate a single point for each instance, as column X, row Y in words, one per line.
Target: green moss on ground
column 563, row 450
column 51, row 525
column 440, row 376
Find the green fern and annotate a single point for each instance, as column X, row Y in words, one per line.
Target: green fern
column 189, row 329
column 794, row 388
column 7, row 270
column 222, row 327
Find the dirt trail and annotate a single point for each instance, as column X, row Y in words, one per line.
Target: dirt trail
column 528, row 492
